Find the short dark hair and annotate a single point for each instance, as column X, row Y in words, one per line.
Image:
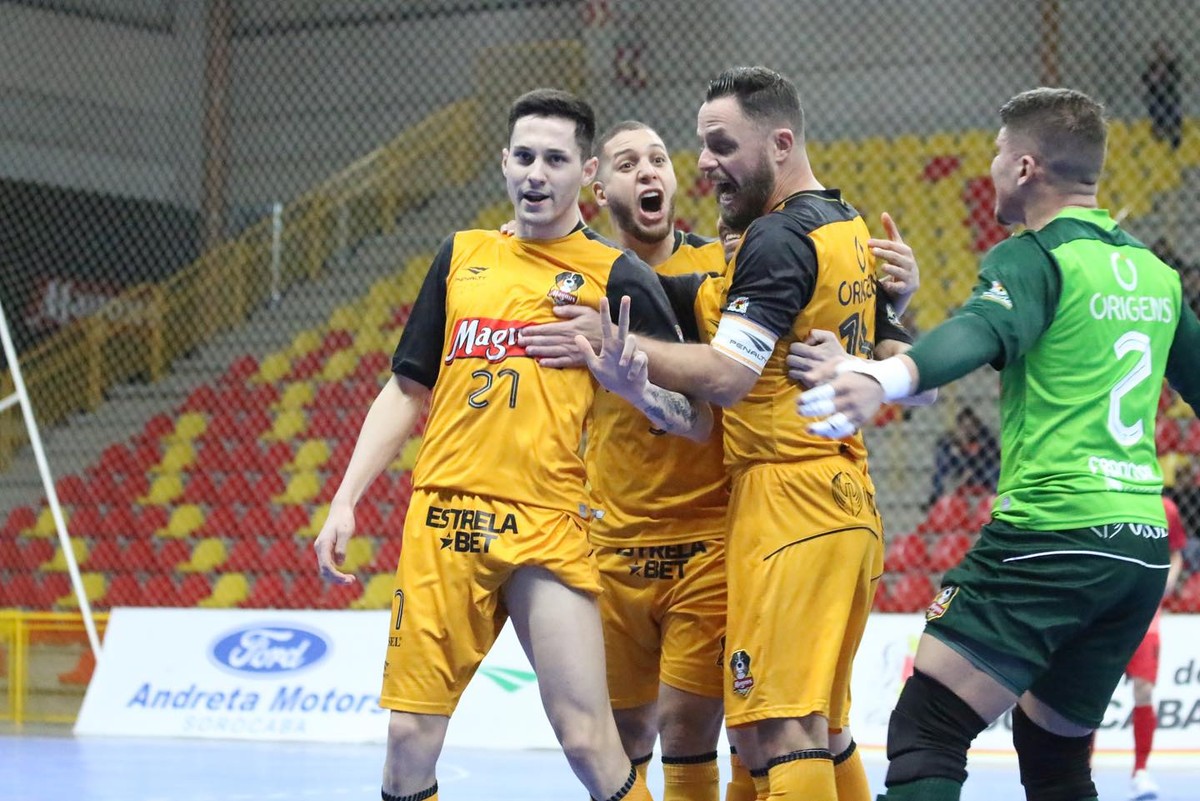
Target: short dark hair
column 764, row 95
column 613, row 130
column 560, row 104
column 1067, row 128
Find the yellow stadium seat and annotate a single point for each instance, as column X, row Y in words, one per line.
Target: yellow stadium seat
column 58, row 562
column 315, row 522
column 373, row 340
column 289, row 424
column 344, row 317
column 296, row 395
column 178, row 457
column 273, row 368
column 44, row 527
column 374, row 317
column 359, row 551
column 229, row 591
column 207, row 554
column 311, row 455
column 386, row 292
column 166, row 488
column 184, row 521
column 305, row 342
column 301, row 488
column 408, row 457
column 94, row 587
column 339, row 365
column 377, row 594
column 189, row 426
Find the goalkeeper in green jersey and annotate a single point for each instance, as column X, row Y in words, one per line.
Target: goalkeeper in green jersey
column 1083, row 322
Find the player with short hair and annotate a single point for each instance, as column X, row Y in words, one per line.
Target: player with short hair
column 496, row 526
column 801, row 508
column 1083, row 321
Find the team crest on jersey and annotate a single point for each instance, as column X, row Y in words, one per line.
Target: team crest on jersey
column 566, row 289
column 847, row 492
column 941, row 603
column 739, row 305
column 997, row 294
column 743, row 682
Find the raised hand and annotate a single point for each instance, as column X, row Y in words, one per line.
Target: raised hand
column 619, row 365
column 902, row 276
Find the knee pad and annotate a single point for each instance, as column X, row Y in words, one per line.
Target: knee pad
column 1053, row 768
column 929, row 733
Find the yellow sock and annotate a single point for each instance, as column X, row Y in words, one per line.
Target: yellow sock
column 741, row 786
column 762, row 785
column 639, row 791
column 850, row 776
column 641, row 763
column 808, row 779
column 693, row 779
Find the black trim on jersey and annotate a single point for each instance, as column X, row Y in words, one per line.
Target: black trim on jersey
column 776, row 268
column 650, row 310
column 688, row 238
column 418, row 355
column 887, row 322
column 681, row 292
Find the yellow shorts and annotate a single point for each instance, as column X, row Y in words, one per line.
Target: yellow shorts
column 805, row 552
column 663, row 610
column 447, row 608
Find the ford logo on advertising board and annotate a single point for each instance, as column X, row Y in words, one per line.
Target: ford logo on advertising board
column 269, row 650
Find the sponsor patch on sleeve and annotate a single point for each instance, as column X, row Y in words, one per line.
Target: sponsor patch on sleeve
column 743, row 341
column 997, row 294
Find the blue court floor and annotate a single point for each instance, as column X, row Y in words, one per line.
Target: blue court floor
column 49, row 767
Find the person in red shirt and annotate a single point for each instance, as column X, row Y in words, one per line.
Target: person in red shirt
column 1143, row 668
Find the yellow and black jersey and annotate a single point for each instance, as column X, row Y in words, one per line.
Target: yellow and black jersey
column 499, row 424
column 648, row 486
column 804, row 265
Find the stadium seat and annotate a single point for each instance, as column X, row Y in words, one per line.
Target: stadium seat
column 138, row 555
column 981, row 515
column 305, row 591
column 269, row 485
column 333, row 395
column 130, row 488
column 305, row 342
column 32, row 554
column 207, row 555
column 185, row 520
column 171, row 554
column 222, row 521
column 149, row 520
column 202, row 488
column 905, row 552
column 124, row 590
column 306, row 367
column 297, row 395
column 165, row 489
column 194, row 589
column 315, row 521
column 86, row 521
column 211, row 457
column 370, row 367
column 1186, row 597
column 94, row 587
column 117, row 521
column 223, row 427
column 18, row 520
column 245, row 556
column 369, row 519
column 330, row 424
column 104, row 556
column 44, row 526
column 238, row 488
column 288, row 425
column 301, row 488
column 229, row 591
column 188, row 426
column 255, row 424
column 338, row 596
column 176, row 458
column 72, row 490
column 258, row 521
column 204, row 398
column 276, row 456
column 311, row 455
column 24, row 590
column 387, row 555
column 288, row 556
column 273, row 368
column 290, row 521
column 268, row 592
column 1191, row 440
column 377, row 593
column 116, row 458
column 948, row 550
column 1168, row 435
column 948, row 513
column 58, row 562
column 161, row 590
column 360, row 551
column 339, row 365
column 242, row 368
column 157, row 427
column 912, row 592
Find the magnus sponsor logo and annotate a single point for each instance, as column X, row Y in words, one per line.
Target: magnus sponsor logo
column 269, row 650
column 482, row 338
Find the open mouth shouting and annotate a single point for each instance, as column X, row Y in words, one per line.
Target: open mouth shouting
column 651, row 206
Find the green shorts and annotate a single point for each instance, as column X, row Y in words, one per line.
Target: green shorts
column 1057, row 613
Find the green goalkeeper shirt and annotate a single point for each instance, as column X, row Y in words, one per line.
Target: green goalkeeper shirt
column 1082, row 321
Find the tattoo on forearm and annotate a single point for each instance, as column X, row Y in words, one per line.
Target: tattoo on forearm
column 669, row 410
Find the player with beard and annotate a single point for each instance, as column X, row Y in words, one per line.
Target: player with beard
column 804, row 540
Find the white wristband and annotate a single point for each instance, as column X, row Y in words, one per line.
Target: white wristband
column 892, row 374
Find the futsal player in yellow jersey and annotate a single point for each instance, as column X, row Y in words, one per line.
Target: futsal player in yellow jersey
column 804, row 542
column 496, row 526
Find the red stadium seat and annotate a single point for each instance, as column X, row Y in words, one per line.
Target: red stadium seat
column 86, row 521
column 238, row 488
column 117, row 521
column 105, row 556
column 288, row 555
column 202, row 488
column 337, row 596
column 211, row 457
column 161, row 590
column 306, row 366
column 19, row 519
column 912, row 592
column 305, row 591
column 32, row 554
column 116, row 458
column 1168, row 435
column 290, row 520
column 139, row 556
column 338, row 339
column 150, row 519
column 981, row 515
column 369, row 368
column 158, row 427
column 24, row 590
column 195, row 588
column 332, row 395
column 171, row 553
column 905, row 552
column 124, row 590
column 204, row 398
column 1191, row 440
column 948, row 550
column 73, row 490
column 221, row 521
column 268, row 592
column 254, row 424
column 948, row 513
column 269, row 485
column 242, row 368
column 223, row 426
column 276, row 456
column 387, row 556
column 246, row 556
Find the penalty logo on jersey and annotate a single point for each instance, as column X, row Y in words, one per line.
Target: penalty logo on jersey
column 566, row 289
column 941, row 603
